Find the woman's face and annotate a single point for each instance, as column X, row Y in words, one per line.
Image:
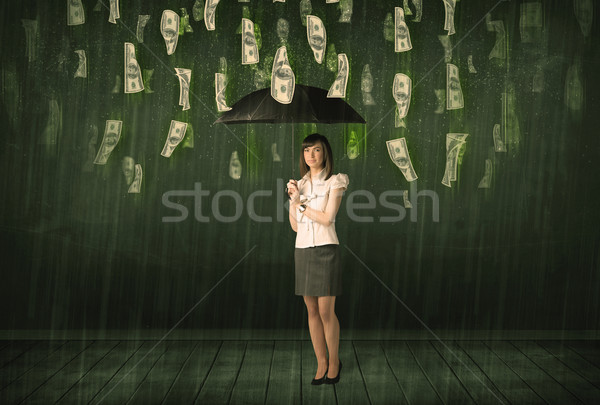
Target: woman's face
column 314, row 156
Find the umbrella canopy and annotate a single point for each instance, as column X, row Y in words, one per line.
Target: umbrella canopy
column 309, row 104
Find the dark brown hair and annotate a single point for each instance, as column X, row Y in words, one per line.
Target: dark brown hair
column 311, row 140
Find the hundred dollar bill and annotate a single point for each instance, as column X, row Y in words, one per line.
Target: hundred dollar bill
column 169, row 28
column 366, row 86
column 142, row 21
column 278, row 1
column 389, row 28
column 574, row 89
column 82, row 68
column 305, row 10
column 510, row 120
column 401, row 90
column 249, row 47
column 499, row 50
column 398, row 152
column 53, row 125
column 454, row 142
column 531, row 21
column 188, row 141
column 405, row 6
column 175, row 136
column 209, row 14
column 352, row 149
column 283, row 80
column 538, row 80
column 136, row 185
column 450, row 7
column 338, row 88
column 128, row 168
column 584, row 12
column 133, row 74
column 184, row 22
column 486, row 181
column 332, row 1
column 499, row 145
column 112, row 134
column 440, row 95
column 470, row 64
column 220, row 85
column 75, row 13
column 317, row 37
column 147, row 76
column 31, row 37
column 198, row 10
column 283, row 30
column 114, row 11
column 454, row 95
column 346, row 6
column 184, row 76
column 407, row 203
column 418, row 10
column 447, row 44
column 235, row 166
column 331, row 60
column 398, row 122
column 402, row 35
column 276, row 157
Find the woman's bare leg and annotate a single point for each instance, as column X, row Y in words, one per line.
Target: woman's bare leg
column 317, row 335
column 331, row 328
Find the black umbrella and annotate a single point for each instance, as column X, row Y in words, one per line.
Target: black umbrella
column 309, row 104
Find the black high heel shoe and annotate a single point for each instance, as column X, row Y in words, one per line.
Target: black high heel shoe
column 336, row 378
column 319, row 381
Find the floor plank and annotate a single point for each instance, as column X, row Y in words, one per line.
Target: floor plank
column 544, row 385
column 578, row 386
column 253, row 379
column 588, row 349
column 351, row 388
column 13, row 349
column 313, row 394
column 444, row 381
column 573, row 360
column 284, row 378
column 27, row 360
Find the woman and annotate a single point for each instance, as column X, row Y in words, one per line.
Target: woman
column 314, row 203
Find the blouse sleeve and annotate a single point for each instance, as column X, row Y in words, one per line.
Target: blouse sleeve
column 340, row 180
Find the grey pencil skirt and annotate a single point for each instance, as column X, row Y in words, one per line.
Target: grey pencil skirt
column 318, row 271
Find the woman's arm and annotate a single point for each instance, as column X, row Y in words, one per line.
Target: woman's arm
column 292, row 188
column 293, row 221
column 326, row 217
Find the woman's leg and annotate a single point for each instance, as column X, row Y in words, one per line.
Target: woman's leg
column 331, row 326
column 315, row 326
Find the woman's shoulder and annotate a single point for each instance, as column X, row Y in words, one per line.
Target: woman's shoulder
column 338, row 180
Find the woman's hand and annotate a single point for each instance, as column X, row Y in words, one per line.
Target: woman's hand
column 292, row 190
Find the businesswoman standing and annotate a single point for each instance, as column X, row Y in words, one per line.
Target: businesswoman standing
column 314, row 203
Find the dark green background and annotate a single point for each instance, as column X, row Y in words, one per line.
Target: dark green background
column 78, row 251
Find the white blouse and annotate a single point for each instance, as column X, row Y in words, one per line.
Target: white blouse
column 311, row 233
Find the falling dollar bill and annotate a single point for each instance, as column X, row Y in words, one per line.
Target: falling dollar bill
column 235, row 166
column 112, row 134
column 499, row 50
column 82, row 67
column 454, row 95
column 184, row 76
column 188, row 141
column 389, row 29
column 209, row 14
column 305, row 10
column 352, row 149
column 331, row 58
column 184, row 22
column 117, row 87
column 75, row 13
column 510, row 119
column 114, row 11
column 531, row 21
column 366, row 86
column 317, row 37
column 447, row 44
column 486, row 181
column 398, row 122
column 147, row 76
column 454, row 143
column 249, row 47
column 133, row 73
column 142, row 21
column 538, row 80
column 276, row 157
column 53, row 125
column 574, row 89
column 346, row 6
column 98, row 6
column 440, row 96
column 405, row 6
column 450, row 7
column 128, row 169
column 338, row 88
column 470, row 64
column 398, row 152
column 402, row 36
column 198, row 10
column 31, row 38
column 278, row 1
column 584, row 12
column 220, row 85
column 175, row 136
column 283, row 80
column 499, row 145
column 169, row 28
column 407, row 203
column 331, row 1
column 136, row 185
column 401, row 90
column 418, row 10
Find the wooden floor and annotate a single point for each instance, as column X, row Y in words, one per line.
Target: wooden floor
column 279, row 372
